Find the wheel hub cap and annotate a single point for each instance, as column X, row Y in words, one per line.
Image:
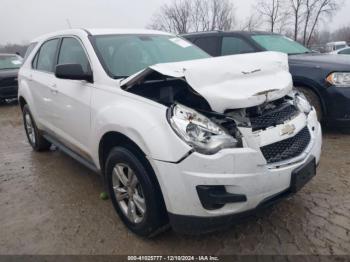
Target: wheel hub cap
column 128, row 193
column 30, row 128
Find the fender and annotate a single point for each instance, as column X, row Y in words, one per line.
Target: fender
column 24, row 91
column 146, row 126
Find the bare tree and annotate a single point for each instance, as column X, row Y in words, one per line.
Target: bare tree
column 183, row 16
column 173, row 18
column 297, row 6
column 272, row 11
column 309, row 7
column 253, row 22
column 316, row 11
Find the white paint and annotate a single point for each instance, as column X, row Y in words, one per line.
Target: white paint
column 103, row 107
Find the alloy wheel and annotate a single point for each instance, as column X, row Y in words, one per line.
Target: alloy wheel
column 30, row 128
column 128, row 193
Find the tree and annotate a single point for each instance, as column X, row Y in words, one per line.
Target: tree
column 297, row 6
column 184, row 16
column 272, row 11
column 174, row 18
column 253, row 22
column 316, row 11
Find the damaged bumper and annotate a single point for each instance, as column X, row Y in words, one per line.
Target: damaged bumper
column 241, row 179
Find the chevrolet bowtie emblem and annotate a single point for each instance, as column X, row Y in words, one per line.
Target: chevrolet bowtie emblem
column 288, row 130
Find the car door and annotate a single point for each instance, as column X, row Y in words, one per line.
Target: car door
column 72, row 99
column 42, row 80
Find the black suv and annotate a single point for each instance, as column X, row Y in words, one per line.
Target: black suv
column 9, row 66
column 323, row 78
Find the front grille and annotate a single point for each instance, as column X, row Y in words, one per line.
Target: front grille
column 287, row 149
column 274, row 117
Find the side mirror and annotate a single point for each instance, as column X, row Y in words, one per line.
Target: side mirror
column 72, row 72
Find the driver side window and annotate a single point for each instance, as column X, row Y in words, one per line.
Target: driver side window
column 72, row 52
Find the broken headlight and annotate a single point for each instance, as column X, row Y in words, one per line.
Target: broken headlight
column 198, row 131
column 302, row 103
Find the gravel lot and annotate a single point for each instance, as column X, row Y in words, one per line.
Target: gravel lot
column 50, row 205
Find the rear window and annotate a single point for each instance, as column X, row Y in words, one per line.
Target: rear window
column 45, row 58
column 29, row 51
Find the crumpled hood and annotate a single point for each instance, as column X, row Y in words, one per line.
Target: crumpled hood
column 229, row 82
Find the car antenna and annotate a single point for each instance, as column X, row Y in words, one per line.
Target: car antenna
column 69, row 24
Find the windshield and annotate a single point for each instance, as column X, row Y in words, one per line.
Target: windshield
column 280, row 43
column 10, row 62
column 125, row 55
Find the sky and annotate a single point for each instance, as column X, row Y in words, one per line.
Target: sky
column 23, row 20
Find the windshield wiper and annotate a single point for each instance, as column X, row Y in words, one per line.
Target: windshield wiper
column 120, row 77
column 302, row 53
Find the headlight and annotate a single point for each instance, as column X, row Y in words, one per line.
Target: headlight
column 198, row 131
column 339, row 79
column 301, row 102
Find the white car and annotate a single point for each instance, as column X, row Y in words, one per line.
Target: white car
column 343, row 51
column 180, row 138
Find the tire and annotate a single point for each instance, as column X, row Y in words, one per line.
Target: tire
column 35, row 139
column 313, row 99
column 144, row 213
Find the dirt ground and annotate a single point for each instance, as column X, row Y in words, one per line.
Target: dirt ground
column 49, row 204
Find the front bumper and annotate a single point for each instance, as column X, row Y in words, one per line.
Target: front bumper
column 8, row 92
column 338, row 106
column 242, row 171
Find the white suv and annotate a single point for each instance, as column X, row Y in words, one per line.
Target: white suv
column 180, row 138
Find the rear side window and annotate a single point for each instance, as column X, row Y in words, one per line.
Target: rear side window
column 45, row 58
column 235, row 45
column 345, row 52
column 72, row 52
column 29, row 51
column 208, row 44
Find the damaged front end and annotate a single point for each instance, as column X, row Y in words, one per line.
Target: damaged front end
column 211, row 100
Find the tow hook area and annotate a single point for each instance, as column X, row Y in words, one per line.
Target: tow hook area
column 215, row 197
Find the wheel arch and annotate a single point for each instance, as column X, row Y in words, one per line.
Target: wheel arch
column 114, row 139
column 22, row 102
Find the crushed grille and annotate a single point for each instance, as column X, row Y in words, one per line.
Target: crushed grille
column 287, row 149
column 274, row 117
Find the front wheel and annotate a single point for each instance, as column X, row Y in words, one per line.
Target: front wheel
column 135, row 195
column 35, row 139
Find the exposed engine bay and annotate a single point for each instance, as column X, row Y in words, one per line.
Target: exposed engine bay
column 169, row 91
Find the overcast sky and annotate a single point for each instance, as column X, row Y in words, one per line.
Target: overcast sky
column 23, row 20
